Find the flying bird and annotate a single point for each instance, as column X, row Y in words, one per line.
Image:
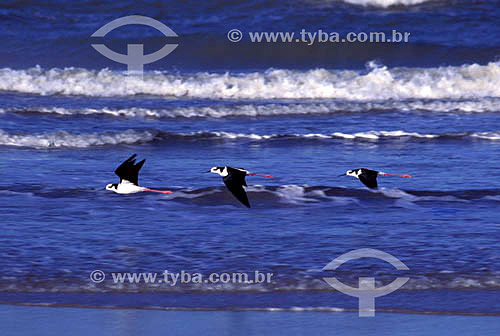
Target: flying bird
column 234, row 179
column 128, row 172
column 369, row 177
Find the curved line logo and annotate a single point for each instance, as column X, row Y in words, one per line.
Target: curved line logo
column 135, row 58
column 366, row 292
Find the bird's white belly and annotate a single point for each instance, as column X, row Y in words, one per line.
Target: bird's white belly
column 128, row 188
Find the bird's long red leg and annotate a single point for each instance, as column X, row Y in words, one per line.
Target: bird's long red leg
column 398, row 175
column 261, row 175
column 158, row 191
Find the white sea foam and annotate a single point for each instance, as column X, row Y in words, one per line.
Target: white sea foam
column 438, row 281
column 487, row 135
column 386, row 3
column 274, row 109
column 369, row 135
column 65, row 139
column 377, row 83
column 292, row 194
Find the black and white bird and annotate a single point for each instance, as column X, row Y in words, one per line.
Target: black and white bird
column 234, row 179
column 128, row 172
column 369, row 177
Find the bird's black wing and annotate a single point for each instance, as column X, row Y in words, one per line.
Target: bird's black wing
column 129, row 170
column 234, row 181
column 369, row 178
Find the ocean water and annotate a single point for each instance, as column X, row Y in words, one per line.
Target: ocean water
column 305, row 114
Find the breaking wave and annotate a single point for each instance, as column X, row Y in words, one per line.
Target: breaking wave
column 273, row 309
column 376, row 83
column 304, row 283
column 386, row 3
column 290, row 194
column 64, row 139
column 273, row 109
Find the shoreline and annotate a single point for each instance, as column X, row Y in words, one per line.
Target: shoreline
column 334, row 310
column 22, row 320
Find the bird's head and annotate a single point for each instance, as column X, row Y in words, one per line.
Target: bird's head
column 353, row 172
column 112, row 187
column 222, row 171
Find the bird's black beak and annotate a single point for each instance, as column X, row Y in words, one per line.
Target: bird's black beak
column 208, row 171
column 342, row 175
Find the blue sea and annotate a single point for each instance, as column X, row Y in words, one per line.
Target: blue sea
column 302, row 113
